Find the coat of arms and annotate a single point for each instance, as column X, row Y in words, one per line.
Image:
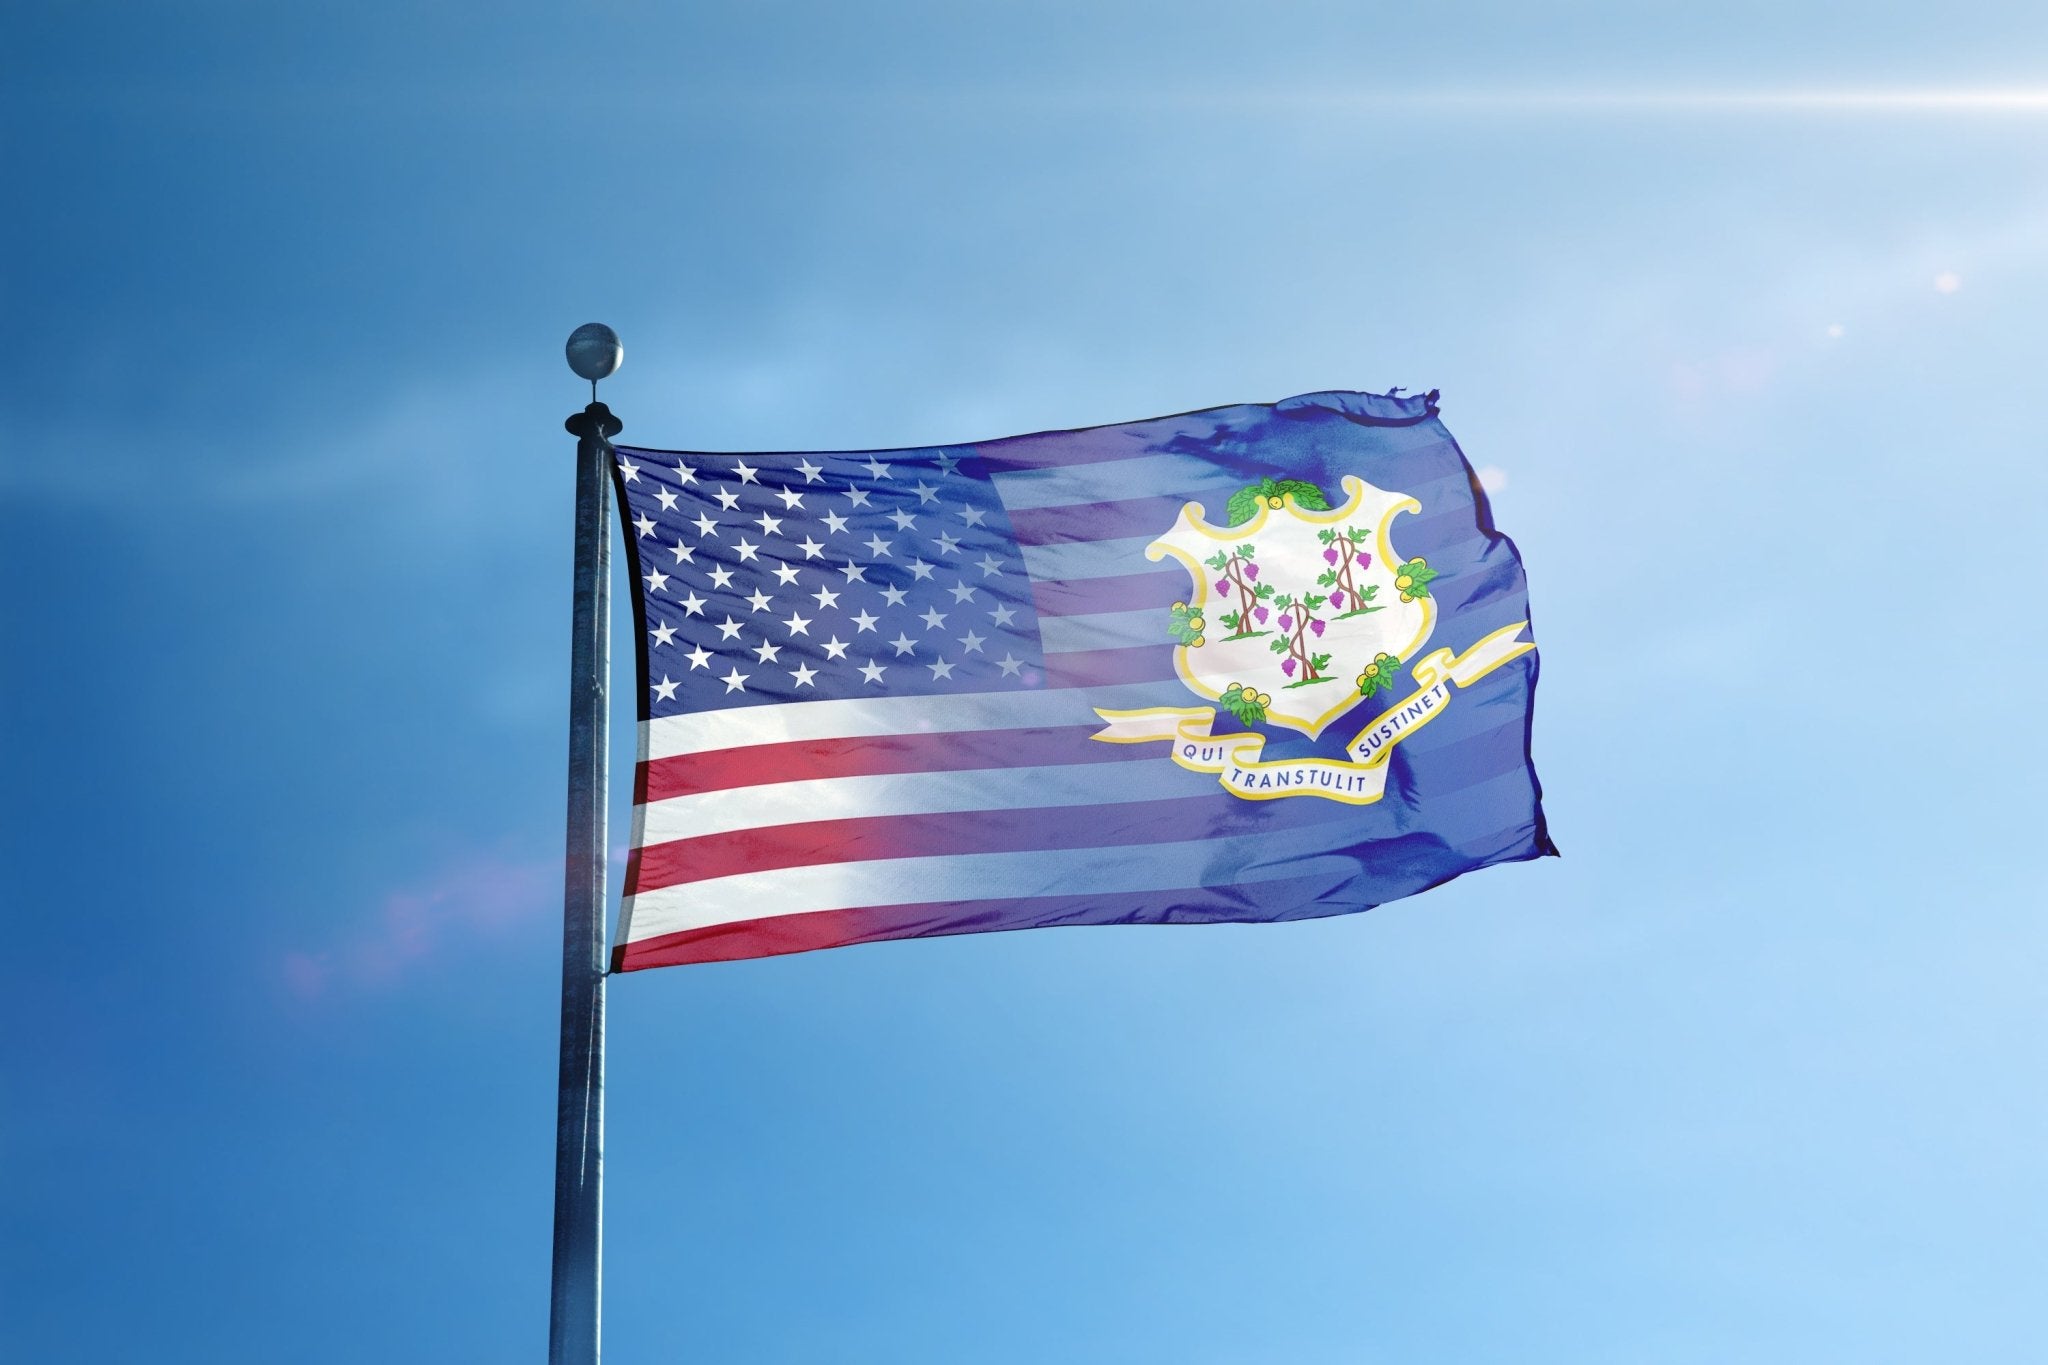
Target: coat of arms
column 1301, row 613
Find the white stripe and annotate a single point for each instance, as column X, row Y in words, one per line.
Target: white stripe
column 845, row 798
column 739, row 726
column 1090, row 558
column 968, row 876
column 1114, row 480
column 1103, row 630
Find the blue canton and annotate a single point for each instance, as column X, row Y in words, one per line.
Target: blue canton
column 771, row 579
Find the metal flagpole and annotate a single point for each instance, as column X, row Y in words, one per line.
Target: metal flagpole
column 573, row 1318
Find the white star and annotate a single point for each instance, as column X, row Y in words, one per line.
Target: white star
column 684, row 554
column 770, row 526
column 745, row 471
column 628, row 471
column 785, row 574
column 948, row 462
column 878, row 547
column 759, row 600
column 940, row 669
column 699, row 657
column 893, row 597
column 948, row 545
column 746, row 549
column 656, row 580
column 766, row 652
column 933, row 618
column 808, row 470
column 973, row 514
column 1009, row 663
column 1001, row 615
column 734, row 680
column 693, row 605
column 727, row 498
column 904, row 644
column 872, row 671
column 877, row 468
column 667, row 499
column 663, row 633
column 798, row 625
column 643, row 525
column 791, row 499
column 904, row 521
column 920, row 570
column 811, row 548
column 729, row 630
column 721, row 577
column 825, row 597
column 961, row 592
column 925, row 493
column 834, row 523
column 706, row 526
column 990, row 565
column 665, row 690
column 803, row 673
column 856, row 497
column 853, row 572
column 865, row 622
column 684, row 474
column 834, row 649
column 972, row 643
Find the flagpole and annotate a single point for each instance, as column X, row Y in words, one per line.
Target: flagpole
column 574, row 1316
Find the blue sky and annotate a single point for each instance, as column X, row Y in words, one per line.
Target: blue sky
column 1753, row 1072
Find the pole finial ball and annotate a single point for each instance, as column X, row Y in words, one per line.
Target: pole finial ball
column 594, row 351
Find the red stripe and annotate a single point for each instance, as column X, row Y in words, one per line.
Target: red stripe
column 1095, row 520
column 871, row 755
column 1108, row 667
column 777, row 934
column 1125, row 592
column 1054, row 829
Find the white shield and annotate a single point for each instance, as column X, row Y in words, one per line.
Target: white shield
column 1261, row 625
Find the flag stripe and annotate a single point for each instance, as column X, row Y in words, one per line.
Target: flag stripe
column 738, row 726
column 1125, row 592
column 1110, row 667
column 953, row 833
column 1105, row 482
column 1096, row 520
column 887, row 794
column 1101, row 630
column 869, row 924
column 868, row 755
column 840, row 864
column 1310, row 898
column 1089, row 559
column 847, row 885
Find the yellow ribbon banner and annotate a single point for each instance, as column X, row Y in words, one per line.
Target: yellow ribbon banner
column 1235, row 761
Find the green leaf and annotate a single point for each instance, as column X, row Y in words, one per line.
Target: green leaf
column 1278, row 646
column 1313, row 601
column 1304, row 493
column 1326, row 535
column 1216, row 561
column 1328, row 578
column 1244, row 504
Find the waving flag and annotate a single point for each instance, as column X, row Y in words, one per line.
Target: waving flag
column 1252, row 663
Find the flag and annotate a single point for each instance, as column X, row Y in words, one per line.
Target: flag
column 1261, row 662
